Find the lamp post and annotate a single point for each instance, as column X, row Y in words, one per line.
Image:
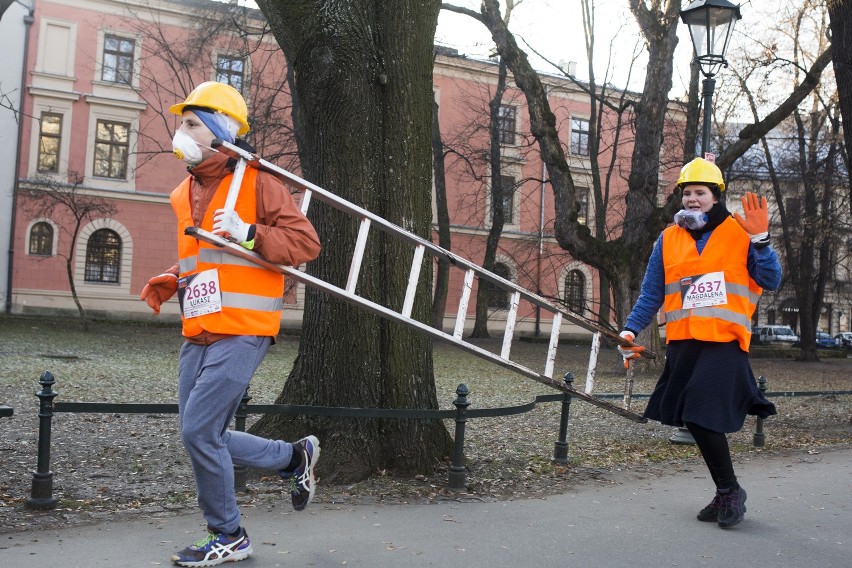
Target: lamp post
column 710, row 25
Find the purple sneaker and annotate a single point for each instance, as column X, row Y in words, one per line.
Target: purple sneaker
column 732, row 508
column 215, row 549
column 302, row 482
column 710, row 513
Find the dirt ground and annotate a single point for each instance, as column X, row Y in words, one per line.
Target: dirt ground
column 114, row 466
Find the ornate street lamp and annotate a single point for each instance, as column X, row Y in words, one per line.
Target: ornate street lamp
column 710, row 25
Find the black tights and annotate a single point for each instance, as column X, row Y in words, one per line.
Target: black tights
column 716, row 454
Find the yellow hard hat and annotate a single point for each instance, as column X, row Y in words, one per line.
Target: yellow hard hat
column 217, row 96
column 700, row 171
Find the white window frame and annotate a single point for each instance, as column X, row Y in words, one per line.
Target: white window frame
column 513, row 277
column 51, row 103
column 103, row 289
column 509, row 171
column 217, row 53
column 99, row 61
column 54, row 245
column 44, row 48
column 116, row 111
column 587, row 273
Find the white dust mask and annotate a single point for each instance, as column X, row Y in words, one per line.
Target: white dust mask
column 689, row 219
column 185, row 148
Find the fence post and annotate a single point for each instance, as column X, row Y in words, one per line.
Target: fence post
column 560, row 447
column 759, row 436
column 240, row 471
column 41, row 495
column 456, row 478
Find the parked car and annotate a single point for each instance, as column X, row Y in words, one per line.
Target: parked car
column 825, row 340
column 844, row 339
column 773, row 335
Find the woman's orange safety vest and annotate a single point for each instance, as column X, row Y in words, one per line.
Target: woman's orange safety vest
column 709, row 297
column 252, row 297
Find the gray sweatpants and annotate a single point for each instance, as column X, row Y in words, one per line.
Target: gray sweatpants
column 212, row 381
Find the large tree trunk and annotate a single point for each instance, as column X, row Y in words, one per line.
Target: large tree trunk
column 840, row 18
column 363, row 97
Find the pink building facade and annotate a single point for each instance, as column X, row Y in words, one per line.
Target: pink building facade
column 97, row 89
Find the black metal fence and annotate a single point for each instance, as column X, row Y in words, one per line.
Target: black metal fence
column 41, row 496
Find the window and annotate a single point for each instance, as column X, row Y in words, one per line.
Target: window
column 579, row 137
column 498, row 298
column 49, row 142
column 582, row 195
column 575, row 291
column 506, row 124
column 111, row 149
column 103, row 257
column 118, row 60
column 507, row 191
column 41, row 239
column 231, row 71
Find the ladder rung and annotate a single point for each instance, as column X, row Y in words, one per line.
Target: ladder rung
column 358, row 255
column 511, row 317
column 413, row 278
column 236, row 183
column 306, row 201
column 593, row 363
column 554, row 344
column 463, row 301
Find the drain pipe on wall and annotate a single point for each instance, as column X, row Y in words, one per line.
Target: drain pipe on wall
column 28, row 22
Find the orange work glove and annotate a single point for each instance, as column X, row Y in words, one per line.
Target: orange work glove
column 158, row 290
column 629, row 353
column 756, row 221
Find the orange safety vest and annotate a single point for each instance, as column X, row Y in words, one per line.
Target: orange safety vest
column 252, row 296
column 726, row 251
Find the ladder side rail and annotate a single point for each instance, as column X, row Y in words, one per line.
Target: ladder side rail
column 385, row 225
column 335, row 291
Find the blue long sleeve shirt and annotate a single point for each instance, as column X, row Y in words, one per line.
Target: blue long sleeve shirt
column 763, row 267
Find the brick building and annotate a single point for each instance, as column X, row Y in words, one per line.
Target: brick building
column 99, row 77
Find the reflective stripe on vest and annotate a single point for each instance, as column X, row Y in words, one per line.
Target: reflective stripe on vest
column 252, row 296
column 726, row 251
column 211, row 256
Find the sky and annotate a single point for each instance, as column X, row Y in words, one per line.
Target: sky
column 554, row 28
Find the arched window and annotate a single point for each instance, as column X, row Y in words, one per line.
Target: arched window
column 575, row 291
column 103, row 256
column 41, row 239
column 498, row 298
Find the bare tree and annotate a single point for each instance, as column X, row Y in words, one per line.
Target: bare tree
column 247, row 59
column 644, row 218
column 840, row 18
column 70, row 208
column 442, row 278
column 802, row 160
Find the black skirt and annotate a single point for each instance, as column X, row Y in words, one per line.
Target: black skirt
column 709, row 384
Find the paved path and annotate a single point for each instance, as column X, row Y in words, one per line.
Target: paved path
column 799, row 514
